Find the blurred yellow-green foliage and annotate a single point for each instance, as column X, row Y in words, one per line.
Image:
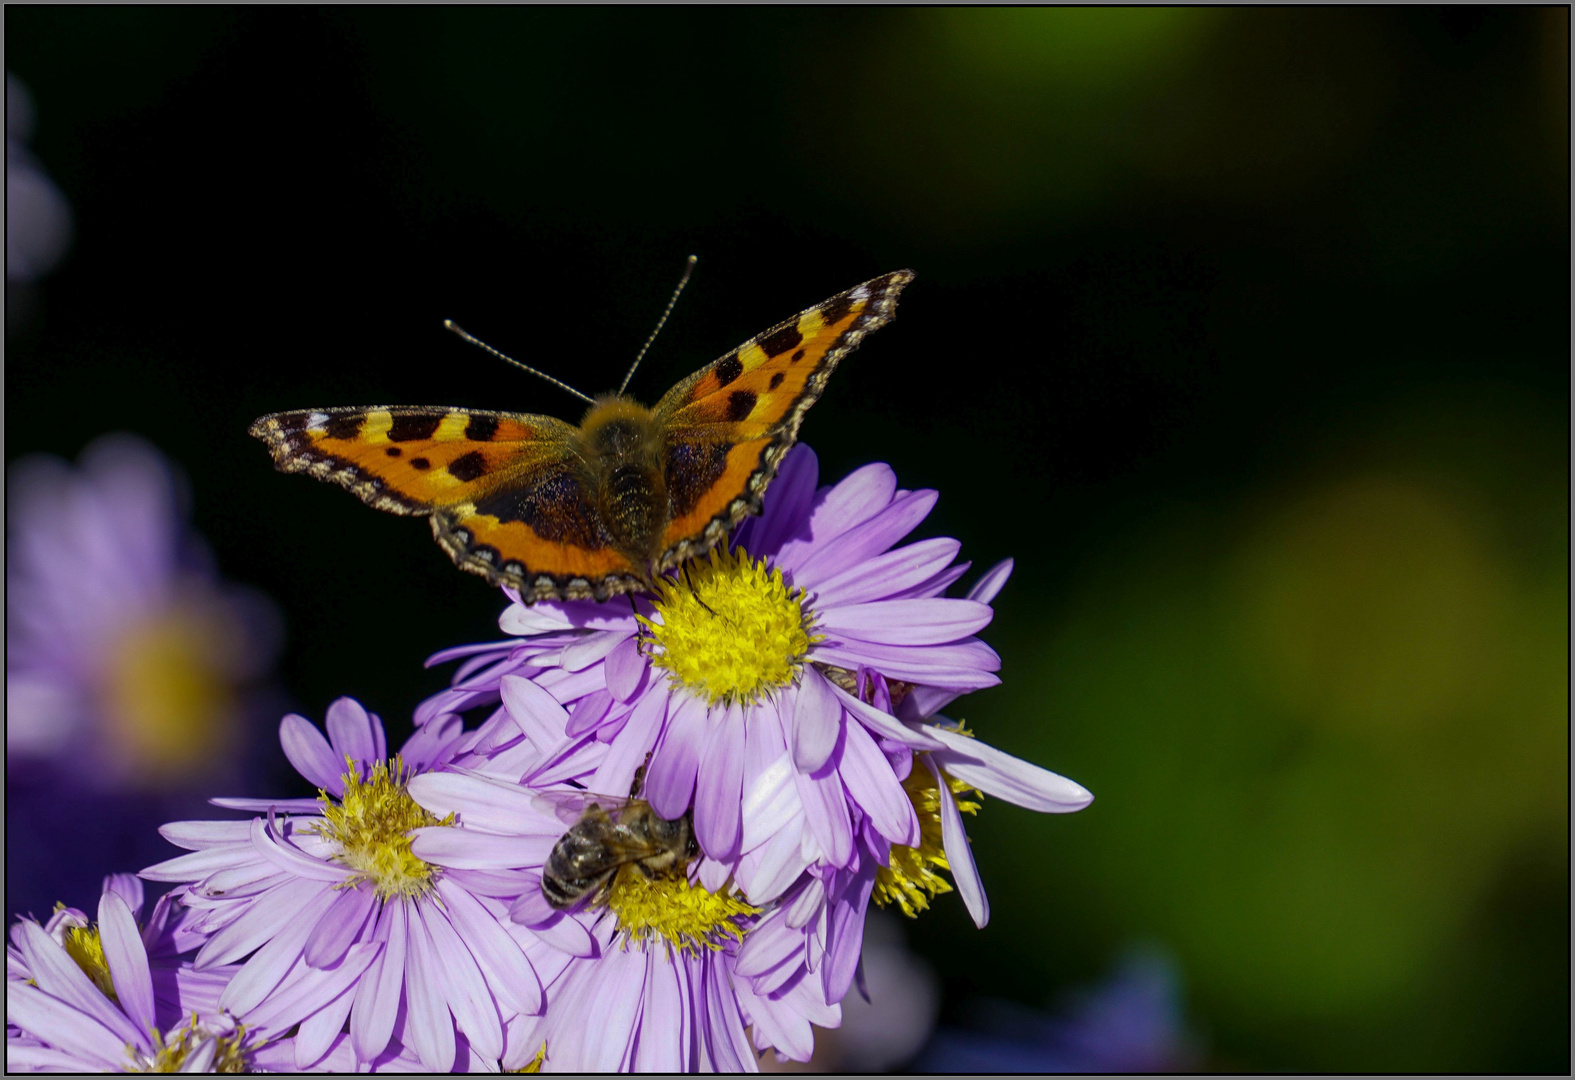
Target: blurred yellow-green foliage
column 1245, row 330
column 1327, row 726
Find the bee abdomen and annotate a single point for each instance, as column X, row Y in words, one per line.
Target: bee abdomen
column 561, row 893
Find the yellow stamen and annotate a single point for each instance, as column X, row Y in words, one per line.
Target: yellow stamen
column 372, row 825
column 686, row 916
column 534, row 1064
column 169, row 1057
column 730, row 628
column 85, row 946
column 908, row 880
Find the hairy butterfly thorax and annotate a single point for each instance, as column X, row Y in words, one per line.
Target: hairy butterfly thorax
column 621, row 447
column 590, row 512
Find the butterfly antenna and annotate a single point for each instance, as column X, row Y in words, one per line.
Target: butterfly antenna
column 689, row 268
column 509, row 359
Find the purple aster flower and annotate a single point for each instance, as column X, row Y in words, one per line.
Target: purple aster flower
column 125, row 654
column 642, row 979
column 761, row 652
column 782, row 700
column 341, row 920
column 110, row 997
column 166, row 936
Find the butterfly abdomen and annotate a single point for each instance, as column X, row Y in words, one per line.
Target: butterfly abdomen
column 621, row 449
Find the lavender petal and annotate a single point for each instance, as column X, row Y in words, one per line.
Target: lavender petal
column 670, row 781
column 885, row 575
column 377, row 996
column 127, row 958
column 311, row 755
column 718, row 786
column 994, row 580
column 1000, row 774
column 935, row 621
column 350, row 732
column 959, row 856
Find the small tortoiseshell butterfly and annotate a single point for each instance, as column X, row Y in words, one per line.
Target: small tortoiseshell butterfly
column 590, row 512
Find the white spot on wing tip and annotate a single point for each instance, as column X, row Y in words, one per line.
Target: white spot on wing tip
column 317, row 420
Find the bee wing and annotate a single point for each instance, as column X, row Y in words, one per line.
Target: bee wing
column 570, row 804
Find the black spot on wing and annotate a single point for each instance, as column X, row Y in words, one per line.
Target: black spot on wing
column 413, row 426
column 420, row 463
column 393, row 451
column 740, row 403
column 467, row 467
column 781, row 340
column 295, row 421
column 836, row 309
column 554, row 506
column 776, row 380
column 692, row 468
column 480, row 429
column 727, row 369
column 796, row 357
column 345, row 426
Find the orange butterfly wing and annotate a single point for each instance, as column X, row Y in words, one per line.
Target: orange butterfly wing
column 505, row 499
column 728, row 426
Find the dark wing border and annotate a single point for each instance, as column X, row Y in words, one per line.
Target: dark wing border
column 882, row 293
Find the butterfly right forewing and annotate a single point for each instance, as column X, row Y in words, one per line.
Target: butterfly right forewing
column 728, row 426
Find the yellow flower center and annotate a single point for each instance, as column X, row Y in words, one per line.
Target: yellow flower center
column 730, row 629
column 170, row 1056
column 86, row 947
column 686, row 916
column 534, row 1064
column 170, row 703
column 372, row 825
column 908, row 880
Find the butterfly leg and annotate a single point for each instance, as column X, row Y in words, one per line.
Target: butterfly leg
column 694, row 592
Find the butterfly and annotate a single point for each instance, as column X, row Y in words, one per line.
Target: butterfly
column 591, row 512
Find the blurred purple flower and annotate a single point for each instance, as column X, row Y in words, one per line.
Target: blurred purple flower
column 125, row 654
column 1130, row 1023
column 340, row 919
column 37, row 216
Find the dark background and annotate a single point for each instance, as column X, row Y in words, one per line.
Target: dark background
column 1223, row 319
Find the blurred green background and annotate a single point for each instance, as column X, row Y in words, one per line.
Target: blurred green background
column 1245, row 331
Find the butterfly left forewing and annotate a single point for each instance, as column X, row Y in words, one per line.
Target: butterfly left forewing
column 729, row 425
column 411, row 460
column 502, row 489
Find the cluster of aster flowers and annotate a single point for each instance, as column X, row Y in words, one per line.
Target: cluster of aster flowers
column 781, row 695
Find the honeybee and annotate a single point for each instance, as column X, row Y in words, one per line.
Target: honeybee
column 610, row 834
